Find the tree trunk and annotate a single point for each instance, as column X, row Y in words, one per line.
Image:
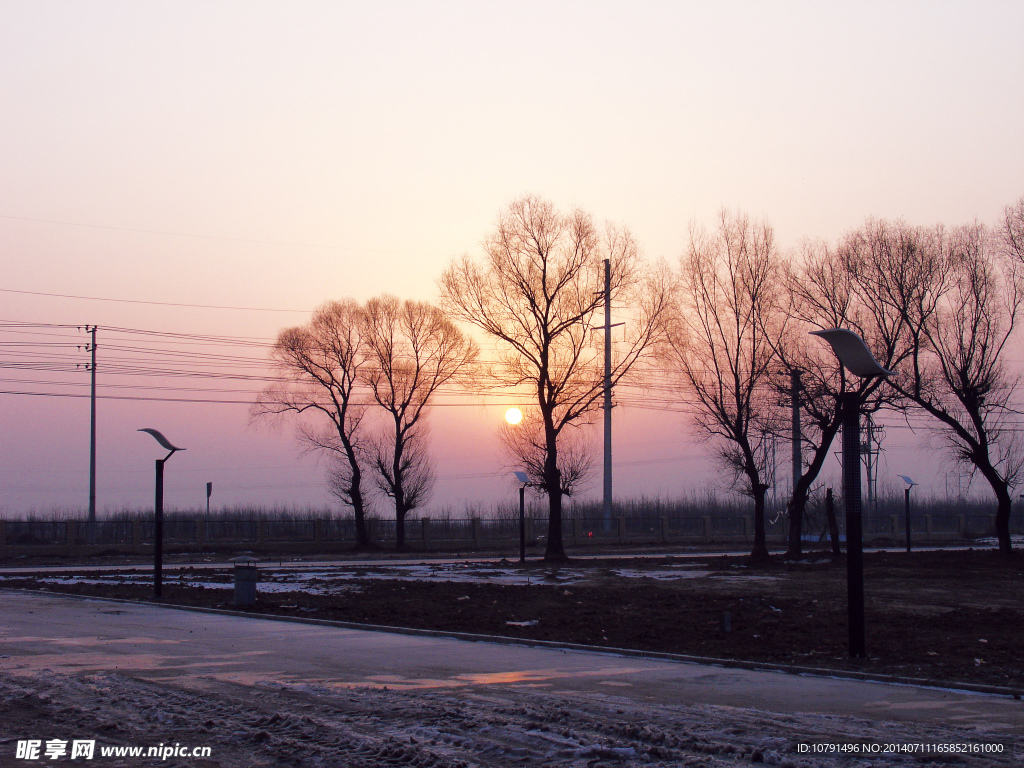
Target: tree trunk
column 1003, row 524
column 1003, row 501
column 797, row 506
column 362, row 537
column 760, row 551
column 399, row 530
column 802, row 489
column 397, row 487
column 355, row 491
column 555, row 550
column 1004, row 504
column 359, row 510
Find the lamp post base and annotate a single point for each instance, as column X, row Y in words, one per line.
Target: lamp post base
column 854, row 526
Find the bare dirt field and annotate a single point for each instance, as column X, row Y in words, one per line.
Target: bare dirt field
column 951, row 617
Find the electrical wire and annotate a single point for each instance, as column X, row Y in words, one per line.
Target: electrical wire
column 129, row 356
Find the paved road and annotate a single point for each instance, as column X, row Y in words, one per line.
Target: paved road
column 67, row 635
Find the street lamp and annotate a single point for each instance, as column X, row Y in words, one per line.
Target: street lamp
column 524, row 481
column 855, row 357
column 158, row 510
column 906, row 506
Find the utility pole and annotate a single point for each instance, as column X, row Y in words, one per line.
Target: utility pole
column 608, row 325
column 871, row 450
column 607, row 506
column 92, row 436
column 794, row 397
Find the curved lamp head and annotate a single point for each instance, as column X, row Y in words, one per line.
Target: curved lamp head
column 161, row 439
column 907, row 480
column 852, row 352
column 522, row 477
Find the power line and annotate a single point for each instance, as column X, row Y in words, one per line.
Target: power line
column 173, row 355
column 222, row 401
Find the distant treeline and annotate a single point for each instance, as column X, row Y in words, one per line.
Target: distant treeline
column 706, row 505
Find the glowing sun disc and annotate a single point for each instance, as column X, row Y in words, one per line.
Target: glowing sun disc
column 513, row 415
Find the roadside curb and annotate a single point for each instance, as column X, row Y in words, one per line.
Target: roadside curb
column 755, row 666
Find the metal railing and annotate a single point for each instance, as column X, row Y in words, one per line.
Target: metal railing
column 423, row 533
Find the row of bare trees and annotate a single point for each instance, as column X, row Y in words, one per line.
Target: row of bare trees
column 387, row 355
column 935, row 306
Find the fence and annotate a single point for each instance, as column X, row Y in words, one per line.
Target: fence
column 323, row 535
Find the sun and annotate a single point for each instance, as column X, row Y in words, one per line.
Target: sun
column 513, row 415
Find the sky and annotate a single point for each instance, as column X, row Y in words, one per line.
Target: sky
column 220, row 169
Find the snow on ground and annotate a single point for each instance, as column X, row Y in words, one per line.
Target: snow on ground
column 333, row 579
column 271, row 723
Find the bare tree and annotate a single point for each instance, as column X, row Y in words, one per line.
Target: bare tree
column 1012, row 230
column 413, row 350
column 412, row 480
column 864, row 285
column 959, row 374
column 536, row 289
column 320, row 366
column 721, row 341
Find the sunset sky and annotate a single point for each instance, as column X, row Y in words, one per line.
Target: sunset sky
column 220, row 169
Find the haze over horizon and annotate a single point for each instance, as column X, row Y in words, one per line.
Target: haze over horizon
column 221, row 169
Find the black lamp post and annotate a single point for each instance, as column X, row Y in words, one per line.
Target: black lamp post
column 524, row 481
column 855, row 357
column 906, row 506
column 158, row 511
